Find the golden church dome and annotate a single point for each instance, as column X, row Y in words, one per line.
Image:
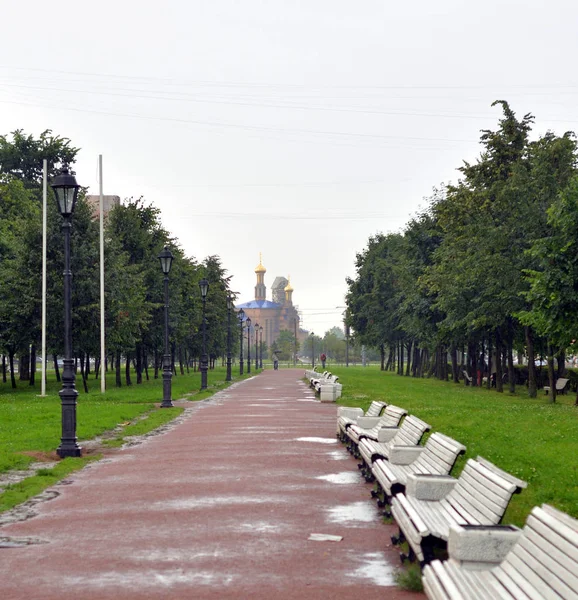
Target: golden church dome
column 288, row 287
column 260, row 268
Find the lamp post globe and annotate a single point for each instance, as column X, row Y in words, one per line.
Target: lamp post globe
column 241, row 315
column 261, row 347
column 256, row 346
column 204, row 287
column 66, row 191
column 248, row 321
column 166, row 260
column 230, row 307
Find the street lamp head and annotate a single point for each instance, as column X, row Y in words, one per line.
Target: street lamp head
column 256, row 326
column 261, row 329
column 204, row 285
column 241, row 314
column 230, row 303
column 66, row 190
column 166, row 259
column 248, row 321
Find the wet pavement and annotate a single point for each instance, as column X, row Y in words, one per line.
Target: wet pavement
column 221, row 506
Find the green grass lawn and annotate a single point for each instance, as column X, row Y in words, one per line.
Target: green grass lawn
column 530, row 438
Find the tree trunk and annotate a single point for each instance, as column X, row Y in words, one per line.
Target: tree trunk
column 181, row 366
column 532, row 387
column 156, row 365
column 145, row 360
column 454, row 358
column 401, row 358
column 32, row 364
column 382, row 355
column 490, row 350
column 24, row 366
column 83, row 361
column 561, row 359
column 511, row 372
column 117, row 369
column 127, row 370
column 11, row 362
column 551, row 374
column 138, row 368
column 499, row 371
column 3, row 368
column 87, row 365
column 408, row 366
column 56, row 368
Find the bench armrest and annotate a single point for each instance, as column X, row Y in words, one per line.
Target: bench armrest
column 350, row 412
column 404, row 455
column 368, row 422
column 481, row 546
column 386, row 434
column 429, row 487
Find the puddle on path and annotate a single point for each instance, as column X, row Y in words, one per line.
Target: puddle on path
column 208, row 501
column 316, row 440
column 362, row 512
column 374, row 567
column 261, row 527
column 338, row 455
column 342, row 478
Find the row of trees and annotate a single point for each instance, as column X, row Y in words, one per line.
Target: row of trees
column 134, row 299
column 487, row 269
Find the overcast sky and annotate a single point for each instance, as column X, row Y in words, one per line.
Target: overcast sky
column 295, row 128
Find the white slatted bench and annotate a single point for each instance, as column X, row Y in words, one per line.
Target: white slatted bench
column 540, row 562
column 369, row 427
column 409, row 433
column 347, row 416
column 437, row 457
column 433, row 503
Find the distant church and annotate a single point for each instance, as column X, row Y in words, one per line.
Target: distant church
column 274, row 316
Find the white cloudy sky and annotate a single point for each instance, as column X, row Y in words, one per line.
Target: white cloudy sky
column 295, row 128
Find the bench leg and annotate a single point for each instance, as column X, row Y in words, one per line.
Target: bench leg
column 398, row 539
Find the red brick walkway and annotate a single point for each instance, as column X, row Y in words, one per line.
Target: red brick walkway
column 221, row 506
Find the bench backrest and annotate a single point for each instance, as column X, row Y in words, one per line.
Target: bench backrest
column 375, row 408
column 410, row 432
column 483, row 492
column 439, row 455
column 561, row 384
column 391, row 416
column 545, row 557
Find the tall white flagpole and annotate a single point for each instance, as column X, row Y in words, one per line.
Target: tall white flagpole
column 101, row 216
column 44, row 194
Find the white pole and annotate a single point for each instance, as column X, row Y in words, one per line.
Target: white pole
column 44, row 194
column 102, row 349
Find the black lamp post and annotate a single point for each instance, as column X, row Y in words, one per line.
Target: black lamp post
column 261, row 347
column 66, row 190
column 230, row 307
column 241, row 317
column 256, row 346
column 312, row 350
column 248, row 321
column 166, row 260
column 204, row 287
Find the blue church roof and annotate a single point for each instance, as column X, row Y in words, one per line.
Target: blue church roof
column 259, row 304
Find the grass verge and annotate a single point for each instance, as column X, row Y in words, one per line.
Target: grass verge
column 529, row 438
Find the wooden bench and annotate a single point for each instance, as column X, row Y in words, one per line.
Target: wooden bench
column 347, row 416
column 433, row 503
column 409, row 433
column 369, row 427
column 540, row 562
column 437, row 457
column 561, row 385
